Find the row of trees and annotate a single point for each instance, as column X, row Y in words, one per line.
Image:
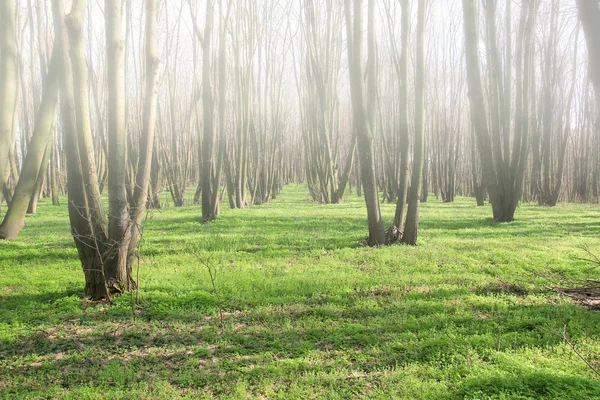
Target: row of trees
column 238, row 98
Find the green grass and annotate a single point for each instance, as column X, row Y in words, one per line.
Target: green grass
column 308, row 311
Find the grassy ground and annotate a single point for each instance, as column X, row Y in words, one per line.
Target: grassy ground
column 307, row 311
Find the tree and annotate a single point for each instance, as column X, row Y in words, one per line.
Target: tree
column 401, row 68
column 86, row 215
column 38, row 149
column 410, row 233
column 106, row 250
column 141, row 195
column 589, row 14
column 502, row 167
column 320, row 104
column 361, row 112
column 8, row 82
column 119, row 233
column 209, row 167
column 553, row 142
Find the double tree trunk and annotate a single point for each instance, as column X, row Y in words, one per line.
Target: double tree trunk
column 210, row 165
column 410, row 233
column 502, row 166
column 477, row 100
column 87, row 230
column 106, row 253
column 362, row 120
column 40, row 179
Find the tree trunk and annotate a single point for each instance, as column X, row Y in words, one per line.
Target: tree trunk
column 410, row 233
column 208, row 162
column 89, row 236
column 54, row 174
column 119, row 232
column 362, row 121
column 589, row 14
column 141, row 192
column 8, row 81
column 39, row 182
column 403, row 129
column 502, row 169
column 14, row 220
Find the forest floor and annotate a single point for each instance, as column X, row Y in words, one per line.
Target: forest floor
column 307, row 311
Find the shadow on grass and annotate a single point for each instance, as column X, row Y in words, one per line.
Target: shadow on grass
column 297, row 340
column 538, row 385
column 488, row 228
column 254, row 233
column 343, row 338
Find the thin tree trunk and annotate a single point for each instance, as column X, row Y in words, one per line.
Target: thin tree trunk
column 145, row 165
column 54, row 173
column 119, row 232
column 14, row 220
column 404, row 142
column 410, row 234
column 589, row 14
column 39, row 182
column 8, row 81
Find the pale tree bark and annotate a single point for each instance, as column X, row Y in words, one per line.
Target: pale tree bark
column 268, row 121
column 207, row 140
column 411, row 229
column 119, row 233
column 41, row 55
column 105, row 254
column 54, row 173
column 502, row 166
column 175, row 150
column 141, row 195
column 8, row 82
column 88, row 233
column 525, row 114
column 215, row 201
column 75, row 25
column 244, row 46
column 477, row 99
column 39, row 182
column 53, row 177
column 211, row 163
column 589, row 14
column 38, row 148
column 318, row 90
column 354, row 29
column 557, row 105
column 549, row 78
column 208, row 163
column 401, row 65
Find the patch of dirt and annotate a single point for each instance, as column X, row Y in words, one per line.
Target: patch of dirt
column 587, row 294
column 374, row 292
column 8, row 289
column 502, row 287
